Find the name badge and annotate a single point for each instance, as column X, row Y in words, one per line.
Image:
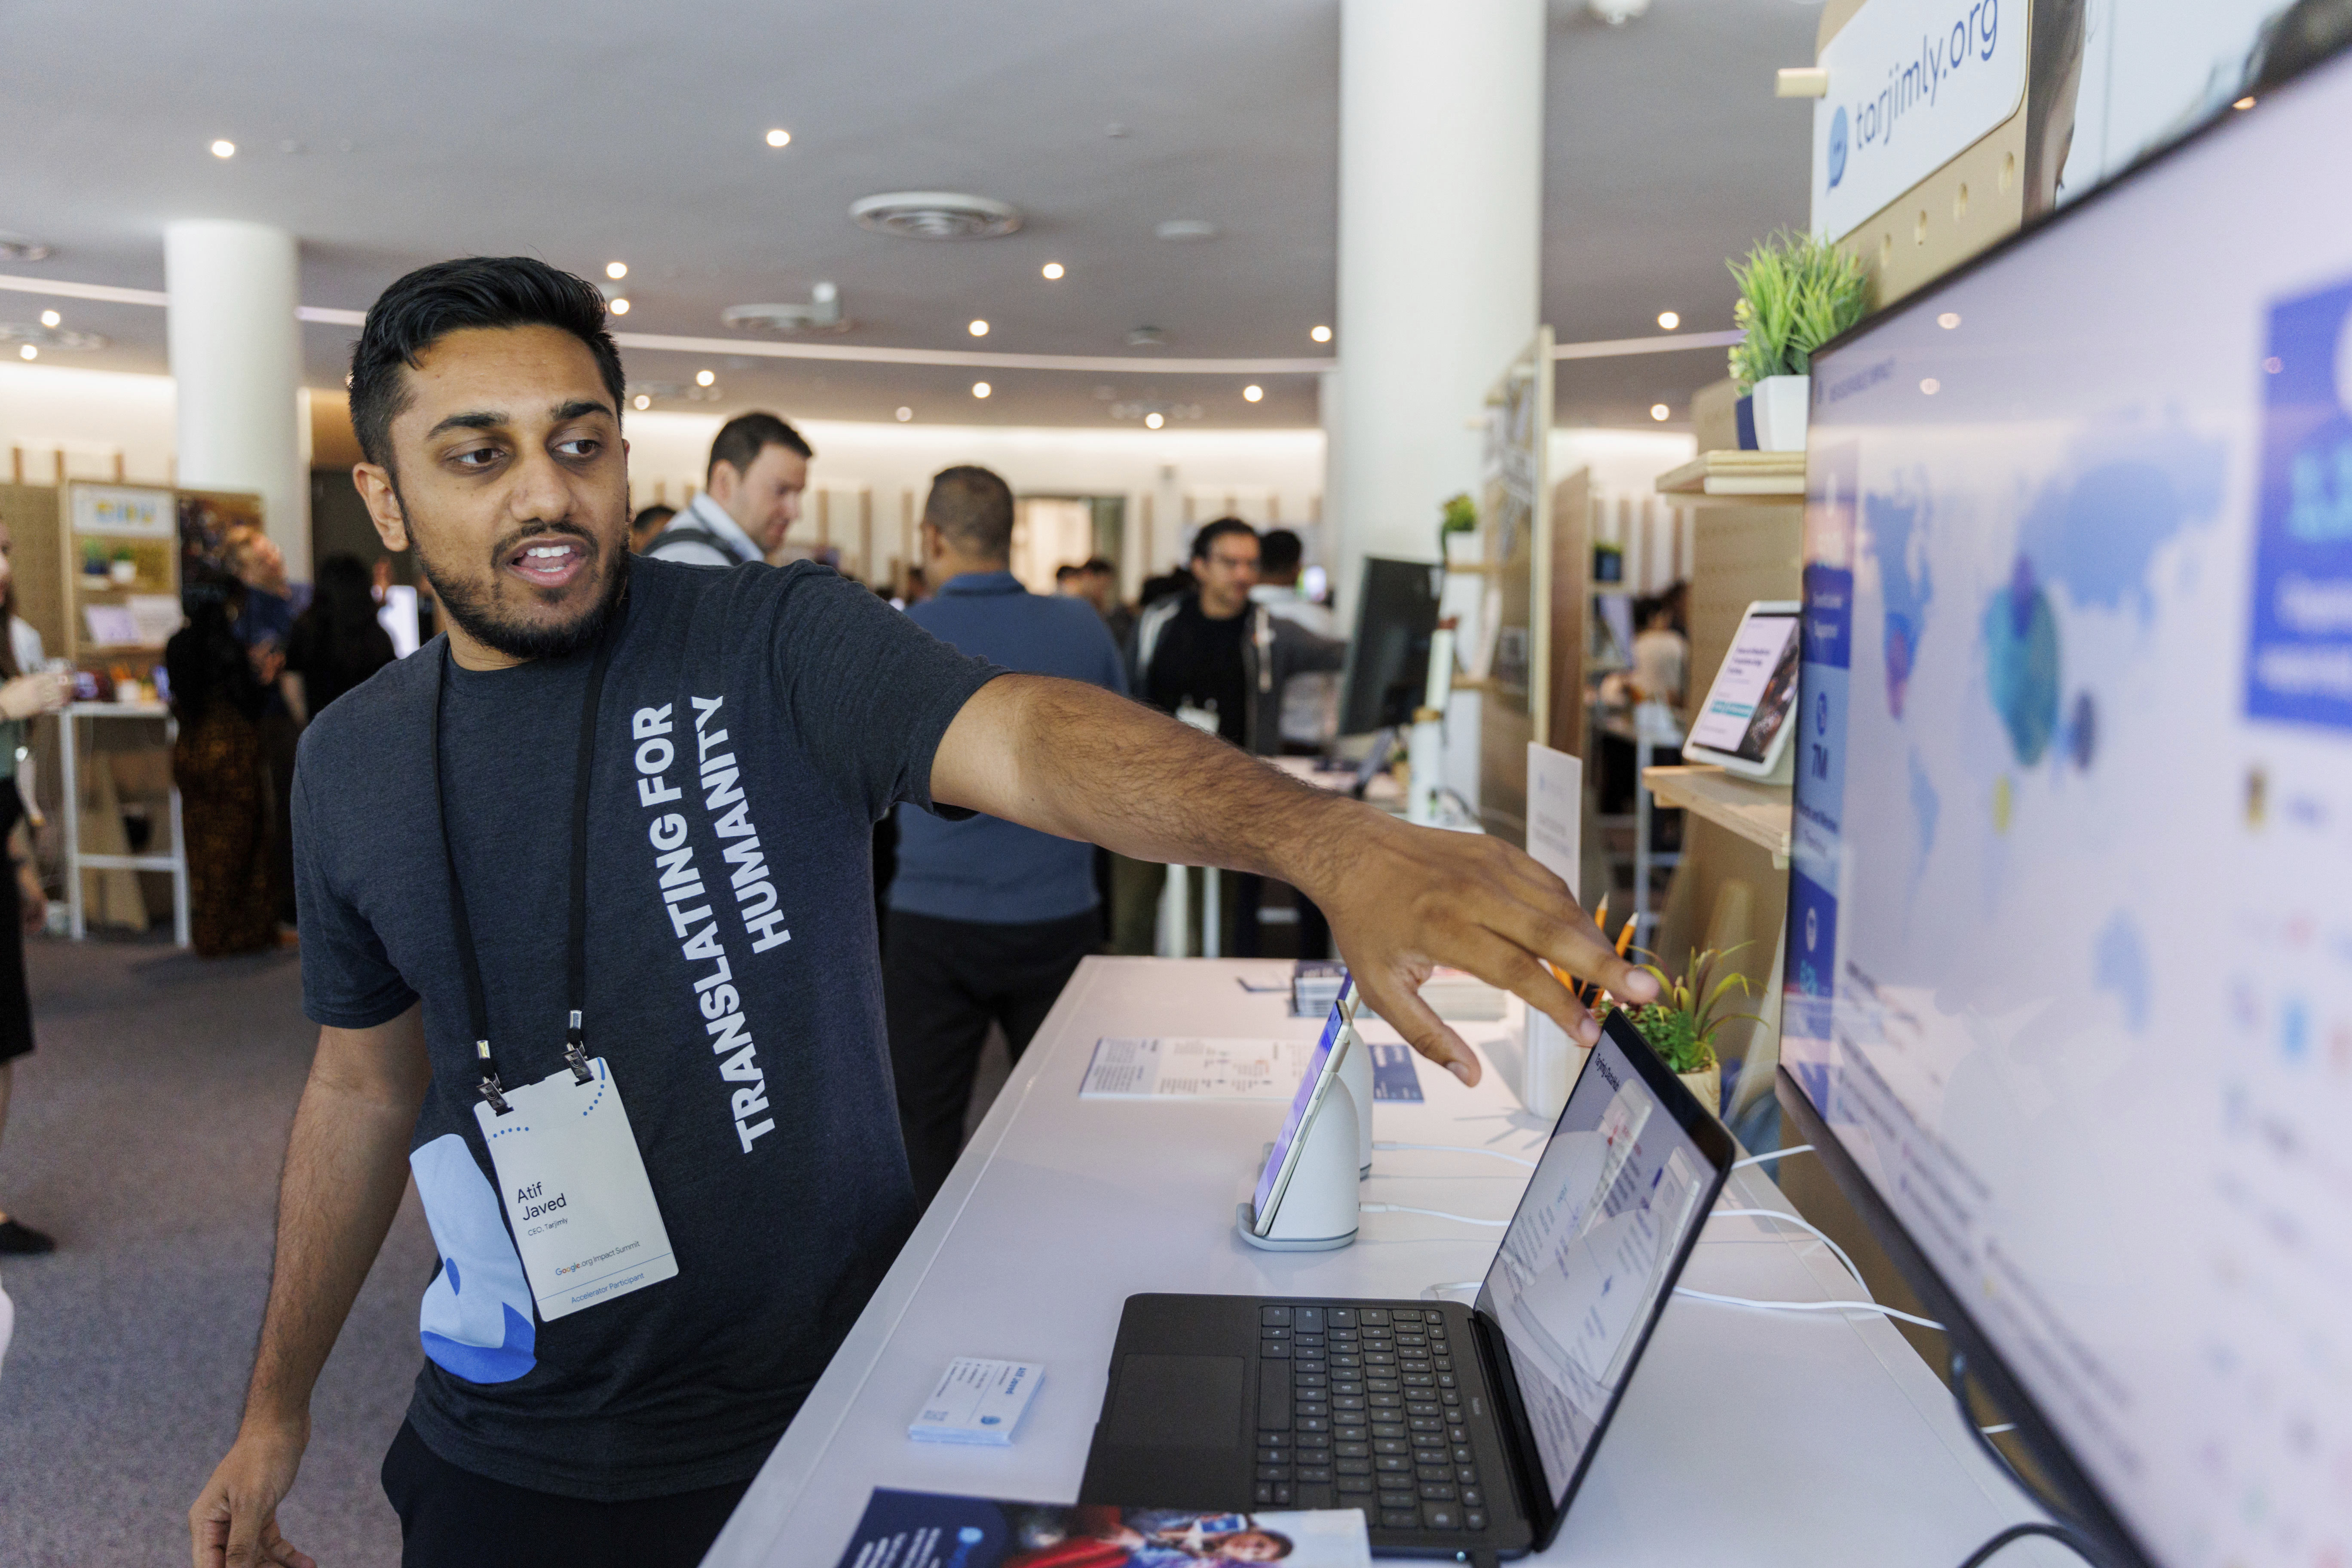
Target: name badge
column 575, row 1190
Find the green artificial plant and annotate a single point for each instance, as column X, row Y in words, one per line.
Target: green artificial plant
column 1796, row 293
column 1680, row 1025
column 1459, row 515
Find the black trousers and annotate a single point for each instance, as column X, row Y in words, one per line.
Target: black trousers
column 943, row 982
column 451, row 1518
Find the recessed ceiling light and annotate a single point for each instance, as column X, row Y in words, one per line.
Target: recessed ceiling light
column 616, row 271
column 28, row 352
column 1931, row 386
column 1153, row 421
column 1669, row 321
column 1053, row 270
column 1321, row 334
column 980, row 389
column 618, row 307
column 1659, row 412
column 1948, row 319
column 1252, row 394
column 2243, row 104
column 642, row 401
column 51, row 319
column 223, row 149
column 779, row 138
column 905, row 415
column 705, row 378
column 977, row 329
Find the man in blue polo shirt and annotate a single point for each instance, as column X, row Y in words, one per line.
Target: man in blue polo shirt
column 987, row 919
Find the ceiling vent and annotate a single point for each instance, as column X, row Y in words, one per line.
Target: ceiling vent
column 70, row 338
column 16, row 248
column 821, row 314
column 1187, row 228
column 936, row 214
column 1147, row 338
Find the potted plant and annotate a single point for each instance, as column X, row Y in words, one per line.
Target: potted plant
column 1796, row 293
column 1457, row 530
column 1680, row 1025
column 93, row 558
column 125, row 565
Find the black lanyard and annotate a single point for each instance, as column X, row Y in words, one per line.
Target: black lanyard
column 477, row 1011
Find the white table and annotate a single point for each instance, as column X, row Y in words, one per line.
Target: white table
column 1744, row 1437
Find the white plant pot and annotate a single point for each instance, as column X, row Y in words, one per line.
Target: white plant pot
column 1780, row 404
column 124, row 571
column 1464, row 550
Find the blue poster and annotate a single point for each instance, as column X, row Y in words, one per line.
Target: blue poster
column 1394, row 1074
column 2299, row 657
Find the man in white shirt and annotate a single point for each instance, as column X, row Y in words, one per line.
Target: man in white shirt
column 758, row 467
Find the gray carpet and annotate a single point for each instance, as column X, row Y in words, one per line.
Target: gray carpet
column 146, row 1135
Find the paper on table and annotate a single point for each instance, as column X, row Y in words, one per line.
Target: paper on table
column 155, row 615
column 1129, row 1068
column 978, row 1402
column 922, row 1530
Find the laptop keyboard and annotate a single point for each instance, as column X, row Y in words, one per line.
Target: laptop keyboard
column 1370, row 1412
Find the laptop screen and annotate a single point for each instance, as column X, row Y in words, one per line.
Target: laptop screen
column 1588, row 1259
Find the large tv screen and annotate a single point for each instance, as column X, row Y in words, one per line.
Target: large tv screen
column 2070, row 942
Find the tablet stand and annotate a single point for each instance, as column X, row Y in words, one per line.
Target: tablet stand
column 1316, row 1212
column 1356, row 1072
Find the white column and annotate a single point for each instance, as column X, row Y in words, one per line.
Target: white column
column 1441, row 210
column 236, row 366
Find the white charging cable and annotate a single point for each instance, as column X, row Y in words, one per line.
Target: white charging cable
column 1817, row 1231
column 1772, row 1154
column 1461, row 1149
column 1807, row 1306
column 1434, row 1213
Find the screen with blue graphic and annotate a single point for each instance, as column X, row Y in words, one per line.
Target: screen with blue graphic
column 2070, row 937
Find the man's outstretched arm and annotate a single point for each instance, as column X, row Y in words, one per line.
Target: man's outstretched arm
column 346, row 1166
column 1067, row 759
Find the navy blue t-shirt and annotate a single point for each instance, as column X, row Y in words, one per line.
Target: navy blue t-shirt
column 755, row 724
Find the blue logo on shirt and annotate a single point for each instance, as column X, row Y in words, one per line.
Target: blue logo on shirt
column 476, row 1319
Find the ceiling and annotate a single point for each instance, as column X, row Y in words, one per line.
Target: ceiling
column 387, row 137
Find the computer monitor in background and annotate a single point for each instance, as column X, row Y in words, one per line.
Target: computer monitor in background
column 2069, row 996
column 1388, row 658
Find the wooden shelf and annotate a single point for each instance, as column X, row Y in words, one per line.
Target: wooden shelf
column 1740, row 478
column 1759, row 813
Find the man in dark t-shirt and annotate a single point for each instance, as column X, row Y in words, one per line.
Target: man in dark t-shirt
column 588, row 929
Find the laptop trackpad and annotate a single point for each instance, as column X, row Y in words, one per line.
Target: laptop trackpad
column 1178, row 1402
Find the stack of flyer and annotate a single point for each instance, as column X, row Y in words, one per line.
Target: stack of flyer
column 923, row 1529
column 1314, row 986
column 977, row 1402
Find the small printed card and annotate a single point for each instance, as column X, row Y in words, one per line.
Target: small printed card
column 977, row 1402
column 1195, row 1069
column 925, row 1530
column 1394, row 1074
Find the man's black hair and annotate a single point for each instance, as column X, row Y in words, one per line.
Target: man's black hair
column 1279, row 552
column 974, row 508
column 1212, row 533
column 741, row 439
column 474, row 292
column 1064, row 574
column 1100, row 565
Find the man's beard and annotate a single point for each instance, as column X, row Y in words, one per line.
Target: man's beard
column 473, row 609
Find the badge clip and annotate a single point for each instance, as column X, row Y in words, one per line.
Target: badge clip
column 573, row 1052
column 492, row 1090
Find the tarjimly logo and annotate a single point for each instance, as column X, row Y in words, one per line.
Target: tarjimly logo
column 1837, row 146
column 1915, row 79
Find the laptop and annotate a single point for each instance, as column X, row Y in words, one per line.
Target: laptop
column 1458, row 1431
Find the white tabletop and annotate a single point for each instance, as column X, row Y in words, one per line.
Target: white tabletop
column 1744, row 1436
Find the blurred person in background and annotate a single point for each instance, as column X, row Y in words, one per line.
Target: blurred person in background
column 1661, row 652
column 1220, row 663
column 26, row 691
column 1102, row 589
column 648, row 524
column 265, row 625
column 986, row 918
column 223, row 780
column 336, row 643
column 1311, row 701
column 1070, row 581
column 752, row 496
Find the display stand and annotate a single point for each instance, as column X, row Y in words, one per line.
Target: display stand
column 1355, row 1078
column 175, row 862
column 1316, row 1212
